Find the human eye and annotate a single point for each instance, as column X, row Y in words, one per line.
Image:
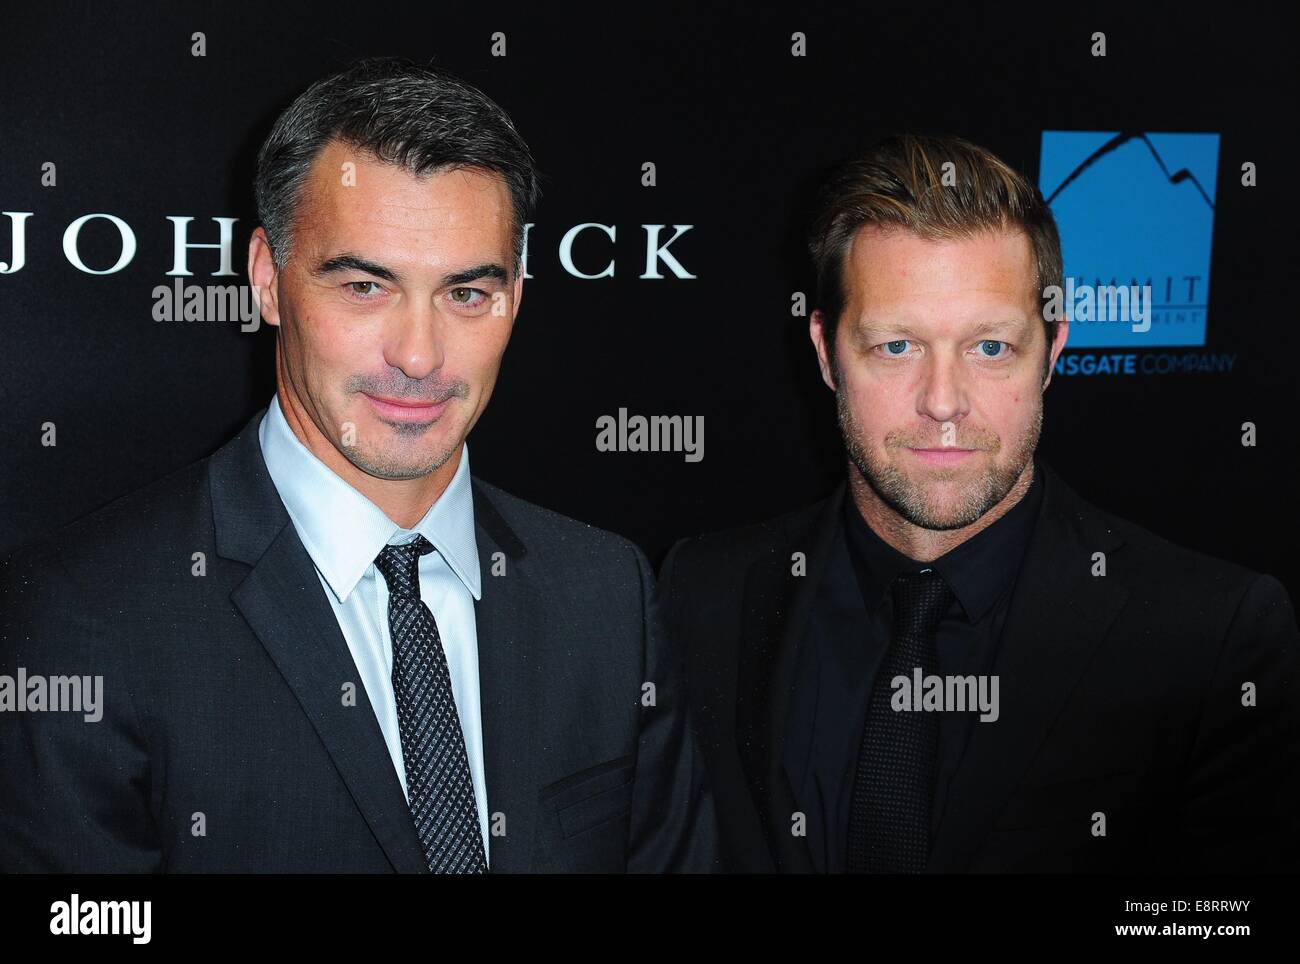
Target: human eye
column 363, row 290
column 466, row 297
column 894, row 349
column 992, row 349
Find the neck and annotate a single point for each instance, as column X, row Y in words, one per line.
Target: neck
column 915, row 542
column 404, row 501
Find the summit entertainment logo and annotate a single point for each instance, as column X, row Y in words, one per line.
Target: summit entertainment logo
column 1135, row 209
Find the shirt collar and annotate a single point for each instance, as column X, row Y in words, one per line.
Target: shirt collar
column 343, row 531
column 978, row 571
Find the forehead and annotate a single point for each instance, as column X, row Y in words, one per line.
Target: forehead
column 885, row 266
column 349, row 191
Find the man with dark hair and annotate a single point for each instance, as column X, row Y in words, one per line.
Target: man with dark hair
column 955, row 663
column 329, row 647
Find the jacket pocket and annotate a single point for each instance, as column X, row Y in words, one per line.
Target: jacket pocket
column 592, row 796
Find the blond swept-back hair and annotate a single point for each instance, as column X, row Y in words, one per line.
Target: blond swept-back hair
column 904, row 182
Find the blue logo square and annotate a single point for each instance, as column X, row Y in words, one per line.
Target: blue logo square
column 1135, row 209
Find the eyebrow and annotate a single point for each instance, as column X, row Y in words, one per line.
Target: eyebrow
column 877, row 329
column 351, row 262
column 997, row 327
column 489, row 270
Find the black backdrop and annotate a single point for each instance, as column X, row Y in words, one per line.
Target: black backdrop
column 738, row 128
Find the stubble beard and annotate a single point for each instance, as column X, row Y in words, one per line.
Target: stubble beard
column 910, row 498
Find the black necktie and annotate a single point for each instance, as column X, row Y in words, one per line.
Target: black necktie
column 439, row 789
column 893, row 790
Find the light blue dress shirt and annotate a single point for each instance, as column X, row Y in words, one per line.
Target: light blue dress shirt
column 344, row 532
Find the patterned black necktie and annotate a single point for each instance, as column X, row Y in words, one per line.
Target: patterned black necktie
column 893, row 790
column 439, row 788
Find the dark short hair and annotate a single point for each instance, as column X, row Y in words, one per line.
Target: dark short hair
column 900, row 183
column 420, row 118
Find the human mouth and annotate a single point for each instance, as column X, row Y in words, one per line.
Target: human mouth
column 399, row 410
column 945, row 456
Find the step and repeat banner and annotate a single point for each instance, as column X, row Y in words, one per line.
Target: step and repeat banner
column 666, row 269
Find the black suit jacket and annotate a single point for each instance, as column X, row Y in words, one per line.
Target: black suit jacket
column 223, row 697
column 1119, row 694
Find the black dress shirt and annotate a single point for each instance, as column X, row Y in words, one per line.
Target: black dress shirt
column 847, row 638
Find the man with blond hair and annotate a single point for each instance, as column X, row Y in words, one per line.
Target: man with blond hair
column 955, row 663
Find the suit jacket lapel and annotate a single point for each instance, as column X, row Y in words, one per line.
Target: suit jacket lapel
column 1058, row 616
column 284, row 603
column 508, row 624
column 777, row 607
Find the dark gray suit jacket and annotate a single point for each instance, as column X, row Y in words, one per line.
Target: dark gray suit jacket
column 224, row 709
